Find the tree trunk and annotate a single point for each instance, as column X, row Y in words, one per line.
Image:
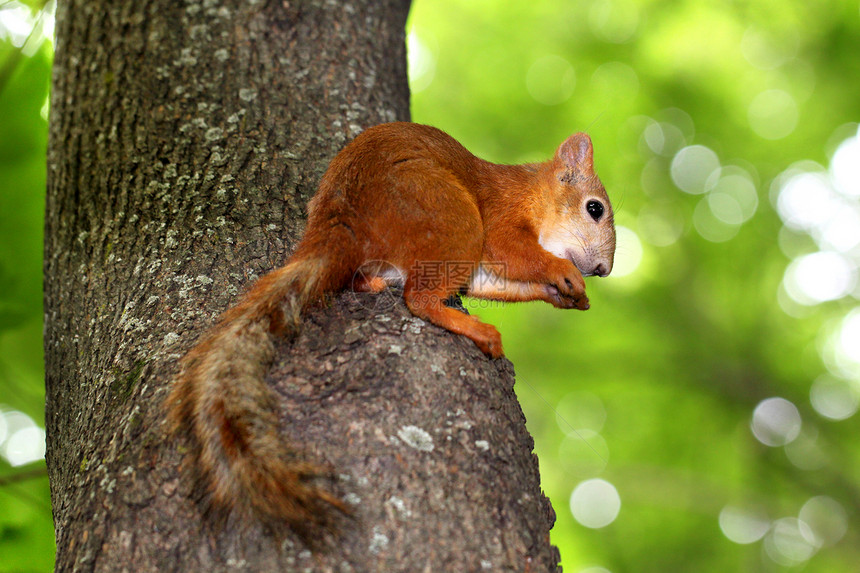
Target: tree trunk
column 186, row 139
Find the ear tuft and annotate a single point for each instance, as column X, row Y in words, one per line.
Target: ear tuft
column 577, row 154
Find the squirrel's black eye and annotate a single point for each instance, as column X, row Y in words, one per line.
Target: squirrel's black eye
column 595, row 209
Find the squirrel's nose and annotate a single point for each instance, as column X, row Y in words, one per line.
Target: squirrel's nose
column 601, row 270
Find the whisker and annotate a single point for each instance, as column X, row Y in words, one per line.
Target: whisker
column 595, row 120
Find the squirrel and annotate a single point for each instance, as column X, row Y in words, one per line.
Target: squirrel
column 412, row 196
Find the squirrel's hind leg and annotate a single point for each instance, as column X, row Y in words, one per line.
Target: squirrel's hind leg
column 429, row 305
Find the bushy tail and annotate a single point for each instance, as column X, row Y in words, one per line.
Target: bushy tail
column 221, row 402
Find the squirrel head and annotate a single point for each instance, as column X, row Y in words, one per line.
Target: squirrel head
column 578, row 222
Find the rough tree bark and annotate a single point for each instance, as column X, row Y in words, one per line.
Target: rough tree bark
column 186, row 138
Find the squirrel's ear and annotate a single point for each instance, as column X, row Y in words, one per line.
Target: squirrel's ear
column 577, row 154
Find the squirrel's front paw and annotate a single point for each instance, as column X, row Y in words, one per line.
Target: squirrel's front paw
column 560, row 301
column 565, row 286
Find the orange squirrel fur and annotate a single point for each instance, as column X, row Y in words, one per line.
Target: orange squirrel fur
column 412, row 196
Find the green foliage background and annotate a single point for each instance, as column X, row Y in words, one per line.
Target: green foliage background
column 660, row 378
